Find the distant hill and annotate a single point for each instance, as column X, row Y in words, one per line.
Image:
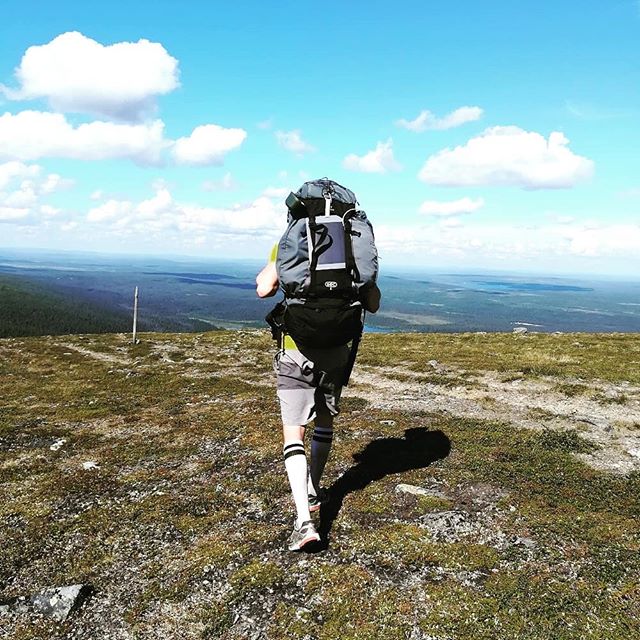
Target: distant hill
column 29, row 309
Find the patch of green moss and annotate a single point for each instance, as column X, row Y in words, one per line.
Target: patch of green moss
column 256, row 576
column 351, row 605
column 608, row 356
column 568, row 441
column 602, row 398
column 216, row 618
column 539, row 413
column 428, row 504
column 394, row 545
column 572, row 389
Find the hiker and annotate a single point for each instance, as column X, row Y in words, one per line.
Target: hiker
column 326, row 264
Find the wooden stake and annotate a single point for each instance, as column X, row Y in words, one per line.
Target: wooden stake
column 135, row 314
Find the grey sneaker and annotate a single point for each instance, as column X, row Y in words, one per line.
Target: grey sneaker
column 299, row 537
column 315, row 502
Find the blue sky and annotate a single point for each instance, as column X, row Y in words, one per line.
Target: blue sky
column 476, row 135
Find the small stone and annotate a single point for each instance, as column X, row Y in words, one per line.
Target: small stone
column 57, row 444
column 529, row 543
column 635, row 452
column 419, row 491
column 520, row 330
column 388, row 423
column 434, row 363
column 90, row 464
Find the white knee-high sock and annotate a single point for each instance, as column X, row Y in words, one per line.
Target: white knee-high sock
column 320, row 447
column 295, row 463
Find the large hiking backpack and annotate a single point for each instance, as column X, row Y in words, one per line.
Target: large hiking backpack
column 327, row 260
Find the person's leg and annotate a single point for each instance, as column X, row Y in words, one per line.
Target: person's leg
column 320, row 448
column 330, row 372
column 295, row 462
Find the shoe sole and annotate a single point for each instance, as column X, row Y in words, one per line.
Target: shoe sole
column 315, row 507
column 305, row 541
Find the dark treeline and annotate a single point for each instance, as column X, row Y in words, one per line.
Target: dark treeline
column 28, row 309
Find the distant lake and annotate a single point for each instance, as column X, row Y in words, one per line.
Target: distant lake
column 187, row 295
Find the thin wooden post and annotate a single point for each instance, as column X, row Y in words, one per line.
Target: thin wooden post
column 135, row 314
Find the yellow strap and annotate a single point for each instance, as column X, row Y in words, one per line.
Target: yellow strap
column 289, row 343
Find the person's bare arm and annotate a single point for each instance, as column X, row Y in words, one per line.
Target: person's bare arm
column 267, row 281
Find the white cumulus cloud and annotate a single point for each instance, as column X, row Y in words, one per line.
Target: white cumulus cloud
column 427, row 120
column 160, row 214
column 603, row 240
column 380, row 160
column 13, row 214
column 451, row 207
column 207, row 145
column 15, row 169
column 75, row 73
column 292, row 141
column 22, row 190
column 111, row 210
column 509, row 156
column 512, row 244
column 29, row 135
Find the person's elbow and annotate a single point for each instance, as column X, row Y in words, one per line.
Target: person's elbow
column 372, row 307
column 372, row 299
column 265, row 290
column 267, row 281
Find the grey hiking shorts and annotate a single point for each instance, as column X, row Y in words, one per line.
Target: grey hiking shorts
column 309, row 383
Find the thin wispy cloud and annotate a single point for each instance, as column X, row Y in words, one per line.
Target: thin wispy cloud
column 451, row 207
column 590, row 112
column 428, row 121
column 226, row 183
column 293, row 141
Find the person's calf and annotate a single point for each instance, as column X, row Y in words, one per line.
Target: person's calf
column 320, row 448
column 295, row 462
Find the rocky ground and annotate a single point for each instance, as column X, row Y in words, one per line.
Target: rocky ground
column 482, row 486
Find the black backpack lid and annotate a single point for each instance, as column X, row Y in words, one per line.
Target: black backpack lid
column 316, row 189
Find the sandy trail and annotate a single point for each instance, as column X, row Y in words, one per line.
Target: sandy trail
column 612, row 422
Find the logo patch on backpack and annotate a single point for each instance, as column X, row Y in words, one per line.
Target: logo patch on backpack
column 331, row 284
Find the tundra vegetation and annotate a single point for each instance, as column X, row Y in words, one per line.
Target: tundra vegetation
column 485, row 486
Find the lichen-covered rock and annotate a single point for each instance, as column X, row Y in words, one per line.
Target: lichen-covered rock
column 58, row 602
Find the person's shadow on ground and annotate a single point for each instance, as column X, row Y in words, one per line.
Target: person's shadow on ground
column 418, row 449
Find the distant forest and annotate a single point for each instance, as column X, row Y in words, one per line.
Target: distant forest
column 29, row 309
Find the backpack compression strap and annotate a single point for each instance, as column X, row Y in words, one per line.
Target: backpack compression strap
column 348, row 247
